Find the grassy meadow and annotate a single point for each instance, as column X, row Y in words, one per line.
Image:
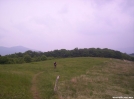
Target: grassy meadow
column 80, row 78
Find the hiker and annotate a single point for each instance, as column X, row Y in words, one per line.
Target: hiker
column 55, row 64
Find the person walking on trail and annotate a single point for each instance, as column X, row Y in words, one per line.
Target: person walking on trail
column 55, row 64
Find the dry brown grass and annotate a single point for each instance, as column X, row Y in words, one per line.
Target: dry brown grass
column 115, row 78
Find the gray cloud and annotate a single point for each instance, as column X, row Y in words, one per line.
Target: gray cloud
column 49, row 25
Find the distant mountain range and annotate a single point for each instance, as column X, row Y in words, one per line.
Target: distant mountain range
column 12, row 50
column 132, row 54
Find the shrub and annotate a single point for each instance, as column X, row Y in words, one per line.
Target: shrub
column 27, row 58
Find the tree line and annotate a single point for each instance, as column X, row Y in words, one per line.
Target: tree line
column 32, row 56
column 28, row 56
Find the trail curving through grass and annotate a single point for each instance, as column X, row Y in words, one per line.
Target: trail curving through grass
column 34, row 88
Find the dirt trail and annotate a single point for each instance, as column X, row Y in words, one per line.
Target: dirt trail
column 34, row 89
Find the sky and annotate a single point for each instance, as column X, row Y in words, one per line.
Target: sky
column 47, row 25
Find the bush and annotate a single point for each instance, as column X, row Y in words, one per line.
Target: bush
column 4, row 60
column 43, row 57
column 12, row 61
column 27, row 58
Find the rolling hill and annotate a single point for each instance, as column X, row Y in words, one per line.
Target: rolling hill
column 80, row 78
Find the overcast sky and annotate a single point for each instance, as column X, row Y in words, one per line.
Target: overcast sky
column 66, row 24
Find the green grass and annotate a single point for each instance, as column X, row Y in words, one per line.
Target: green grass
column 80, row 78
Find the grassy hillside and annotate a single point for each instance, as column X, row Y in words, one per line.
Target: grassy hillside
column 80, row 78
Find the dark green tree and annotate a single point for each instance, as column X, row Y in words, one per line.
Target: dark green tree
column 4, row 60
column 27, row 58
column 43, row 58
